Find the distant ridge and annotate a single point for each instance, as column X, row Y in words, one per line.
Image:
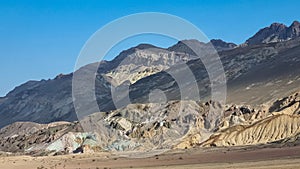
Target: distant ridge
column 276, row 32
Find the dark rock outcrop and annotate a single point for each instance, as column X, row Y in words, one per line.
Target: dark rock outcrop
column 276, row 32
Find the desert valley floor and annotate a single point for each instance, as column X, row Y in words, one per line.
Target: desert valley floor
column 233, row 157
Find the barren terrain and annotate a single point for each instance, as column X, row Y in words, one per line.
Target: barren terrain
column 234, row 157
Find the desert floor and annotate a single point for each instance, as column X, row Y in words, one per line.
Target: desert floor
column 239, row 157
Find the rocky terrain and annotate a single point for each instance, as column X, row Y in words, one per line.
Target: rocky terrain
column 276, row 32
column 159, row 127
column 262, row 107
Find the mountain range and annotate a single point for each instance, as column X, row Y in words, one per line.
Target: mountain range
column 51, row 100
column 262, row 75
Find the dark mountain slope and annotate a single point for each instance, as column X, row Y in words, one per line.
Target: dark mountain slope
column 255, row 73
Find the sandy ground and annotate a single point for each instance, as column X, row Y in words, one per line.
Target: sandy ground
column 277, row 158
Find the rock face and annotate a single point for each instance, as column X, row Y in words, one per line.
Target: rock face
column 255, row 75
column 220, row 45
column 271, row 129
column 142, row 61
column 276, row 32
column 281, row 122
column 159, row 126
column 136, row 127
column 151, row 126
column 277, row 123
column 288, row 105
column 33, row 137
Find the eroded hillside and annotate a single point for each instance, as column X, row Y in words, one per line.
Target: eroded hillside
column 159, row 126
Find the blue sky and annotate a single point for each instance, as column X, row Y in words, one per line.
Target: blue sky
column 42, row 38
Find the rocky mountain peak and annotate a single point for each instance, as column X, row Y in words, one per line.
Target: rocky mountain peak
column 294, row 29
column 218, row 44
column 145, row 46
column 276, row 32
column 129, row 51
column 222, row 45
column 295, row 23
column 181, row 46
column 277, row 26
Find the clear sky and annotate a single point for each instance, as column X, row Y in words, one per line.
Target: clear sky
column 42, row 38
